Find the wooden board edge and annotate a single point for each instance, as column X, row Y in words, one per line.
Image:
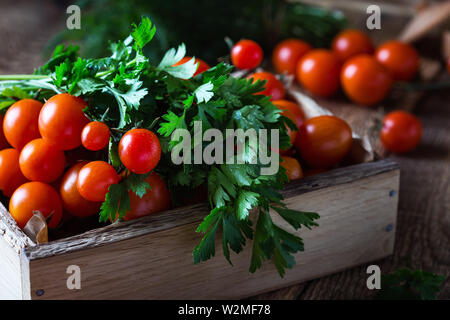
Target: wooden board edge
column 185, row 215
column 134, row 268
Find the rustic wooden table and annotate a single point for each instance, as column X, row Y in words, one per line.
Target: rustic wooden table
column 423, row 229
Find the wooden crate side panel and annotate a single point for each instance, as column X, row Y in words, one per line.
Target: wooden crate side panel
column 159, row 265
column 12, row 241
column 10, row 272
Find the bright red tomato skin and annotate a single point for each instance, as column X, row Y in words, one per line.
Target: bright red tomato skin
column 94, row 180
column 364, row 80
column 274, row 87
column 155, row 200
column 139, row 150
column 202, row 65
column 61, row 121
column 40, row 161
column 290, row 111
column 400, row 59
column 72, row 200
column 20, row 124
column 318, row 72
column 349, row 43
column 401, row 131
column 246, row 54
column 293, row 108
column 287, row 54
column 95, row 136
column 35, row 196
column 323, row 141
column 10, row 175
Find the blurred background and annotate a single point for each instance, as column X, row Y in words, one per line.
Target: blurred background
column 29, row 30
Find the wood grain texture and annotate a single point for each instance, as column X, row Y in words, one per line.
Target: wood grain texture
column 158, row 265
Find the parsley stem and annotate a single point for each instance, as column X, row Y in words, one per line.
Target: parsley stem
column 23, row 77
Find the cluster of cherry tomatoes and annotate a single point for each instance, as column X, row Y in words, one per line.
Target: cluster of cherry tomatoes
column 365, row 74
column 47, row 162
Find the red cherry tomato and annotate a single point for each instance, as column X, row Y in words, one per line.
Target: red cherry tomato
column 293, row 169
column 246, row 54
column 155, row 200
column 400, row 59
column 20, row 124
column 95, row 136
column 349, row 43
column 3, row 142
column 364, row 80
column 94, row 180
column 61, row 121
column 318, row 72
column 401, row 131
column 202, row 65
column 323, row 141
column 35, row 196
column 287, row 54
column 139, row 150
column 40, row 161
column 274, row 87
column 293, row 108
column 72, row 201
column 10, row 175
column 294, row 113
column 448, row 64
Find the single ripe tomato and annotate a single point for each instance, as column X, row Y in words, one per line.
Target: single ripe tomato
column 61, row 121
column 139, row 150
column 246, row 54
column 10, row 175
column 349, row 43
column 95, row 136
column 400, row 59
column 155, row 200
column 202, row 65
column 3, row 142
column 293, row 169
column 35, row 196
column 72, row 201
column 318, row 72
column 293, row 108
column 41, row 161
column 401, row 131
column 364, row 80
column 20, row 124
column 94, row 180
column 293, row 112
column 274, row 87
column 287, row 53
column 323, row 141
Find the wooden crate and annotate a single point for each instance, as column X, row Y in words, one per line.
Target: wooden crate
column 151, row 258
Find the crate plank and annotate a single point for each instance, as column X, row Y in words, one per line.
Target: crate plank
column 12, row 240
column 150, row 261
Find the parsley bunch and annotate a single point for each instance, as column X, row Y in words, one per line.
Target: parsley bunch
column 127, row 90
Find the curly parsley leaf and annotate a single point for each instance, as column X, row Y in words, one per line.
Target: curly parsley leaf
column 410, row 285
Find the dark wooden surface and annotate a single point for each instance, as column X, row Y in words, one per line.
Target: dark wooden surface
column 423, row 230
